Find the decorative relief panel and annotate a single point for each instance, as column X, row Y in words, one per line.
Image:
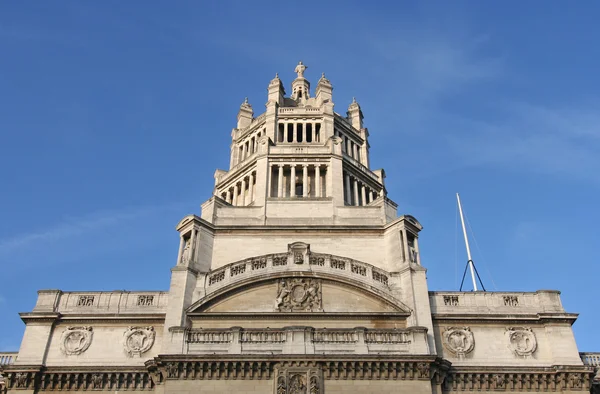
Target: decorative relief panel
column 451, row 300
column 85, row 300
column 299, row 294
column 458, row 340
column 76, row 340
column 145, row 300
column 522, row 341
column 511, row 301
column 298, row 380
column 138, row 340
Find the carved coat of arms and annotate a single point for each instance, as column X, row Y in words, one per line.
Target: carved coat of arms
column 299, row 294
column 459, row 340
column 521, row 341
column 76, row 340
column 138, row 340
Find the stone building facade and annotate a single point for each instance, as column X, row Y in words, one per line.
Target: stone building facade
column 298, row 277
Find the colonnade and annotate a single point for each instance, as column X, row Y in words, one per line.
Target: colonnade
column 356, row 192
column 349, row 147
column 249, row 147
column 299, row 131
column 298, row 180
column 242, row 192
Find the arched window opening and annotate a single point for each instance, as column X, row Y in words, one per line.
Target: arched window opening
column 290, row 132
column 299, row 133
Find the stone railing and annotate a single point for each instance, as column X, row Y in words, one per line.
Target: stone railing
column 284, row 262
column 7, row 358
column 363, row 169
column 299, row 111
column 309, row 340
column 591, row 359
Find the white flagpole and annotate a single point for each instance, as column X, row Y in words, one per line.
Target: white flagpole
column 462, row 220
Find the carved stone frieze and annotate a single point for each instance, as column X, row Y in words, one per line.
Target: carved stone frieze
column 458, row 340
column 76, row 340
column 514, row 381
column 299, row 294
column 138, row 340
column 521, row 341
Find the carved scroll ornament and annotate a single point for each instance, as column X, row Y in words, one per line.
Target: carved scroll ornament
column 459, row 340
column 521, row 341
column 76, row 340
column 138, row 340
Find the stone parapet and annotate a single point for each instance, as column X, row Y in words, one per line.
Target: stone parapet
column 483, row 303
column 101, row 302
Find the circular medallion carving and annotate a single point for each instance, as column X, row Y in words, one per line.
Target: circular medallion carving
column 459, row 340
column 521, row 341
column 138, row 340
column 76, row 340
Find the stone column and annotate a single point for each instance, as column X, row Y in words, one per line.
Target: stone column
column 270, row 180
column 251, row 187
column 418, row 257
column 243, row 192
column 317, row 181
column 235, row 195
column 280, row 184
column 181, row 242
column 371, row 196
column 305, row 180
column 363, row 193
column 228, row 197
column 293, row 179
column 294, row 139
column 348, row 192
column 405, row 246
column 356, row 192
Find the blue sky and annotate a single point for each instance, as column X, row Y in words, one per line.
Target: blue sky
column 114, row 116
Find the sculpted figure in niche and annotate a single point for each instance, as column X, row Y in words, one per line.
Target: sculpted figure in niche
column 187, row 251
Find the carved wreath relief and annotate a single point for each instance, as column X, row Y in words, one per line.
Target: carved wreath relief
column 76, row 340
column 299, row 294
column 138, row 340
column 459, row 340
column 521, row 341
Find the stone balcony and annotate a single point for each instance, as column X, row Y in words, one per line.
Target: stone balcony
column 7, row 358
column 592, row 360
column 307, row 340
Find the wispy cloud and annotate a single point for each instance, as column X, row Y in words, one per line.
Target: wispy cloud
column 81, row 225
column 536, row 139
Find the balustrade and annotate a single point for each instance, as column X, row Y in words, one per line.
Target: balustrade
column 7, row 358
